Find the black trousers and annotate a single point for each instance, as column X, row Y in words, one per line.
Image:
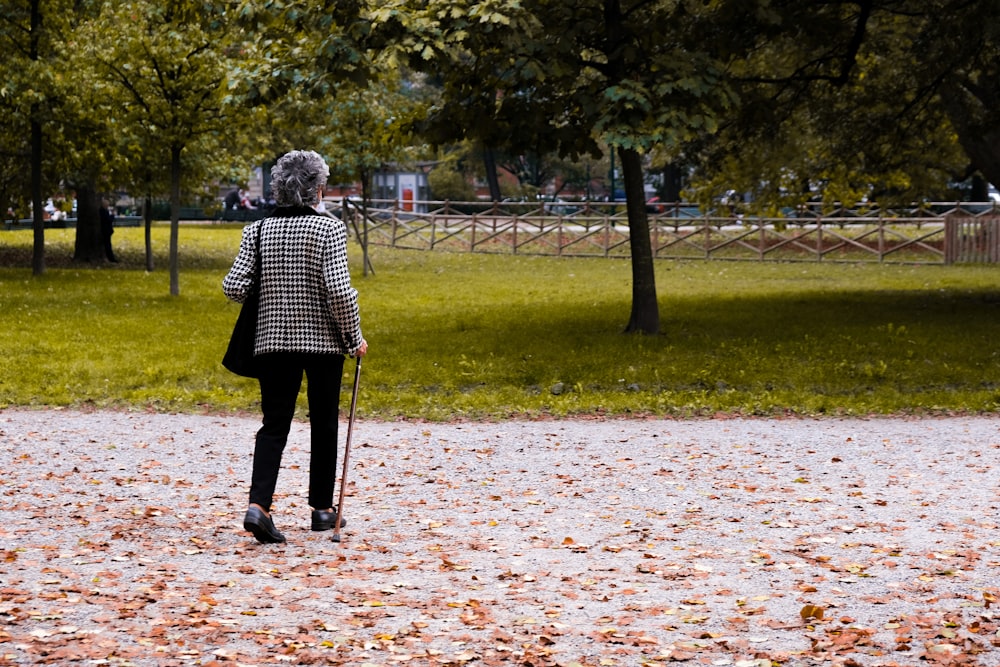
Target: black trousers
column 109, row 251
column 280, row 382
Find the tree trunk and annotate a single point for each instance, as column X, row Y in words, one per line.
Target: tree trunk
column 673, row 182
column 975, row 122
column 366, row 193
column 645, row 317
column 147, row 218
column 175, row 216
column 89, row 244
column 37, row 210
column 37, row 214
column 490, row 164
column 980, row 189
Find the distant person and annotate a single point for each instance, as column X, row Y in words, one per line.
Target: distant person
column 308, row 321
column 232, row 200
column 56, row 214
column 107, row 229
column 245, row 203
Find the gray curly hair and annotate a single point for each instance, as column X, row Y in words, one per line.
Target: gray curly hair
column 296, row 178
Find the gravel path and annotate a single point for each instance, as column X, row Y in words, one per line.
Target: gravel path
column 617, row 542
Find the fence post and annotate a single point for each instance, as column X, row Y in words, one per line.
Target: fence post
column 472, row 236
column 708, row 237
column 559, row 235
column 656, row 237
column 395, row 227
column 951, row 237
column 881, row 236
column 607, row 237
column 993, row 238
column 513, row 243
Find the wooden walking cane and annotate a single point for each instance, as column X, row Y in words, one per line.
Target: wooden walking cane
column 347, row 453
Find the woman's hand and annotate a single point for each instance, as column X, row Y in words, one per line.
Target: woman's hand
column 362, row 349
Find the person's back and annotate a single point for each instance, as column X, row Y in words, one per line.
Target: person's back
column 307, row 301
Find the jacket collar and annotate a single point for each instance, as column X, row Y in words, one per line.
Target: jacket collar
column 293, row 211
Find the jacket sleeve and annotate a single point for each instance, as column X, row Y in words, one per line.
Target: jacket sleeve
column 237, row 283
column 342, row 297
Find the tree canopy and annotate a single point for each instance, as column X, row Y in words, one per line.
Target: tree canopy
column 843, row 100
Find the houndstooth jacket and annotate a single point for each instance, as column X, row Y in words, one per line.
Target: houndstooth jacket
column 307, row 303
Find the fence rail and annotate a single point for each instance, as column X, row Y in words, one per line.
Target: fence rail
column 932, row 233
column 935, row 233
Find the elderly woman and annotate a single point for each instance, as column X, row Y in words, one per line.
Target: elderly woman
column 308, row 321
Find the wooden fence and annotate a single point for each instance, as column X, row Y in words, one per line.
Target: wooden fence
column 928, row 234
column 972, row 240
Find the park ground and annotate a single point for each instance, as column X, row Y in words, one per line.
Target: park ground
column 591, row 542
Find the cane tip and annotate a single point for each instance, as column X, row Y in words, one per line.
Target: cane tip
column 335, row 538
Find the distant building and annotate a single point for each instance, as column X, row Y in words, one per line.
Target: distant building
column 407, row 188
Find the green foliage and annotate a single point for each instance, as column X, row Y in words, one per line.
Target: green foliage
column 480, row 336
column 874, row 103
column 36, row 84
column 365, row 128
column 303, row 46
column 542, row 77
column 448, row 183
column 166, row 84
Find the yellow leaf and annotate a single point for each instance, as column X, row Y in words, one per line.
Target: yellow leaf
column 811, row 612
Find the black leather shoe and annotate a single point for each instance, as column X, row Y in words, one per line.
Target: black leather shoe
column 261, row 526
column 324, row 519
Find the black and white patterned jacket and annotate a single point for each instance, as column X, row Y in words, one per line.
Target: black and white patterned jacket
column 307, row 303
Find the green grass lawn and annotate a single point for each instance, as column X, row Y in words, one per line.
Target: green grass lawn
column 491, row 336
